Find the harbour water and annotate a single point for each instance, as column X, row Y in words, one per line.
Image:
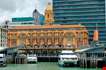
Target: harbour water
column 42, row 66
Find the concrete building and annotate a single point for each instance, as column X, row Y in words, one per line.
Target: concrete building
column 3, row 35
column 84, row 12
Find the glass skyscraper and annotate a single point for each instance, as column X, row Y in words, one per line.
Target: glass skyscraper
column 90, row 13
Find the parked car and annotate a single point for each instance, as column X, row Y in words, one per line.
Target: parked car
column 31, row 58
column 2, row 60
column 67, row 57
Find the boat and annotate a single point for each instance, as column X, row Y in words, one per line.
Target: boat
column 67, row 57
column 31, row 58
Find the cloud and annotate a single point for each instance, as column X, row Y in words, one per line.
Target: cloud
column 7, row 5
column 21, row 8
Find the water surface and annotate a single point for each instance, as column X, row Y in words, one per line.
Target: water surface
column 42, row 66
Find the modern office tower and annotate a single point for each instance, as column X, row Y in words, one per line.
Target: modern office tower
column 90, row 13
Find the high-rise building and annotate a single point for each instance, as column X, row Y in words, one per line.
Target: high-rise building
column 85, row 12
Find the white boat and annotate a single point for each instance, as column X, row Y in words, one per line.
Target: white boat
column 31, row 58
column 2, row 60
column 67, row 57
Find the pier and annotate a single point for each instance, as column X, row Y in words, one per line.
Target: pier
column 92, row 57
column 88, row 57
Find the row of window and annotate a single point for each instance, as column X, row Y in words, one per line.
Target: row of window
column 3, row 45
column 81, row 19
column 92, row 25
column 3, row 36
column 100, row 38
column 98, row 30
column 100, row 33
column 85, row 9
column 87, row 24
column 22, row 23
column 104, row 32
column 73, row 19
column 3, row 41
column 79, row 11
column 75, row 0
column 74, row 15
column 78, row 3
column 79, row 7
column 77, row 17
column 81, row 2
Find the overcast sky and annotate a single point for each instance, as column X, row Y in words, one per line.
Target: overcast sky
column 20, row 8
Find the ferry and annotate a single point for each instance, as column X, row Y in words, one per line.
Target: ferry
column 31, row 58
column 67, row 57
column 2, row 60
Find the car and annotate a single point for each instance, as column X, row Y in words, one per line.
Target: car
column 2, row 60
column 67, row 57
column 31, row 58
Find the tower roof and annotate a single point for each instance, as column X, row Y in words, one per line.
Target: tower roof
column 35, row 10
column 49, row 6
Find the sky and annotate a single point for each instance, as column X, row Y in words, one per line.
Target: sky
column 20, row 8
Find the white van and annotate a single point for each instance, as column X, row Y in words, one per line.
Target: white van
column 2, row 60
column 67, row 57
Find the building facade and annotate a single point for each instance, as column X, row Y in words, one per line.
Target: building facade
column 48, row 35
column 3, row 35
column 85, row 12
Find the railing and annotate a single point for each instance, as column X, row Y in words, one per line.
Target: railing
column 48, row 48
